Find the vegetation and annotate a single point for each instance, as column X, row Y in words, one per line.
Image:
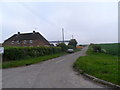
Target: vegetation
column 96, row 48
column 18, row 53
column 29, row 61
column 83, row 45
column 112, row 49
column 20, row 56
column 63, row 46
column 73, row 42
column 71, row 47
column 101, row 65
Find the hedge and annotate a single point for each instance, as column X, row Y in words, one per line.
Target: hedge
column 17, row 53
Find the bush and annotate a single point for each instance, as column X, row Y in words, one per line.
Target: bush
column 63, row 46
column 70, row 47
column 73, row 42
column 17, row 53
column 96, row 48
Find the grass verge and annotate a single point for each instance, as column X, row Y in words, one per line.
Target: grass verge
column 100, row 65
column 29, row 61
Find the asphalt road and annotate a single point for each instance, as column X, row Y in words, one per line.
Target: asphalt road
column 54, row 73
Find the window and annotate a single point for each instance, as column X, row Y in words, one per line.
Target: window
column 18, row 42
column 38, row 45
column 46, row 45
column 31, row 45
column 12, row 42
column 25, row 41
column 31, row 41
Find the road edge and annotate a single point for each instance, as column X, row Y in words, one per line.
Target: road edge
column 97, row 79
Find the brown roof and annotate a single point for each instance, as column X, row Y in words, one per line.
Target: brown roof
column 27, row 36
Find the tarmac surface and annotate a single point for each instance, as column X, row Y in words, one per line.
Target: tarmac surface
column 54, row 73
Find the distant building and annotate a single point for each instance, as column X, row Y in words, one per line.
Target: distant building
column 0, row 44
column 27, row 40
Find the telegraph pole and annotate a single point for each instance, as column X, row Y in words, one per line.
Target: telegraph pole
column 72, row 36
column 63, row 34
column 34, row 29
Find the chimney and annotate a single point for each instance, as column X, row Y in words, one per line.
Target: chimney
column 18, row 33
column 33, row 32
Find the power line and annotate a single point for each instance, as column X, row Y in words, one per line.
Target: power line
column 41, row 17
column 44, row 19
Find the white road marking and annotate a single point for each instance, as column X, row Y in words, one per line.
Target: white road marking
column 60, row 60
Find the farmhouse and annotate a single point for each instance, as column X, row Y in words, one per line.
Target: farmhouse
column 27, row 40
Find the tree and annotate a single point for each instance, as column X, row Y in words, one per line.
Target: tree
column 70, row 47
column 73, row 42
column 63, row 46
column 96, row 48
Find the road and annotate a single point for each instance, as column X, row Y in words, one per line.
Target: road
column 54, row 73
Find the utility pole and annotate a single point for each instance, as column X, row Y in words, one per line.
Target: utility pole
column 72, row 36
column 63, row 34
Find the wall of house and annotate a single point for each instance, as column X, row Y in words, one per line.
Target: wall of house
column 26, row 43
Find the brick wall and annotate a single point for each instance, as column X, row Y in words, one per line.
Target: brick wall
column 27, row 43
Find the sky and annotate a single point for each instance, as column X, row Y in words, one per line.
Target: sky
column 88, row 22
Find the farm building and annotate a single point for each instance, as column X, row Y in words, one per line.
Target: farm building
column 27, row 40
column 0, row 44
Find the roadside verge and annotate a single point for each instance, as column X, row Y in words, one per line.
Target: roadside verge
column 98, row 80
column 100, row 67
column 29, row 61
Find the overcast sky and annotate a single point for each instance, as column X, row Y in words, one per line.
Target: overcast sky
column 88, row 22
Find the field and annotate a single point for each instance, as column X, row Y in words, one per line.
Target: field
column 112, row 49
column 101, row 65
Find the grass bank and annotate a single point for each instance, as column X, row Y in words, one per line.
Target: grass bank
column 100, row 65
column 24, row 62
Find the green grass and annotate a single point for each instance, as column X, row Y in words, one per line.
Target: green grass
column 100, row 65
column 29, row 61
column 112, row 49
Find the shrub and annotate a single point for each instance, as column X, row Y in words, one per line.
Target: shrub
column 73, row 42
column 63, row 46
column 17, row 53
column 70, row 47
column 96, row 48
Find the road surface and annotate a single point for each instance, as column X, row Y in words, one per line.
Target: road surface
column 54, row 73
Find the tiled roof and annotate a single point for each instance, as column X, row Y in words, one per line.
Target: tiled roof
column 27, row 36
